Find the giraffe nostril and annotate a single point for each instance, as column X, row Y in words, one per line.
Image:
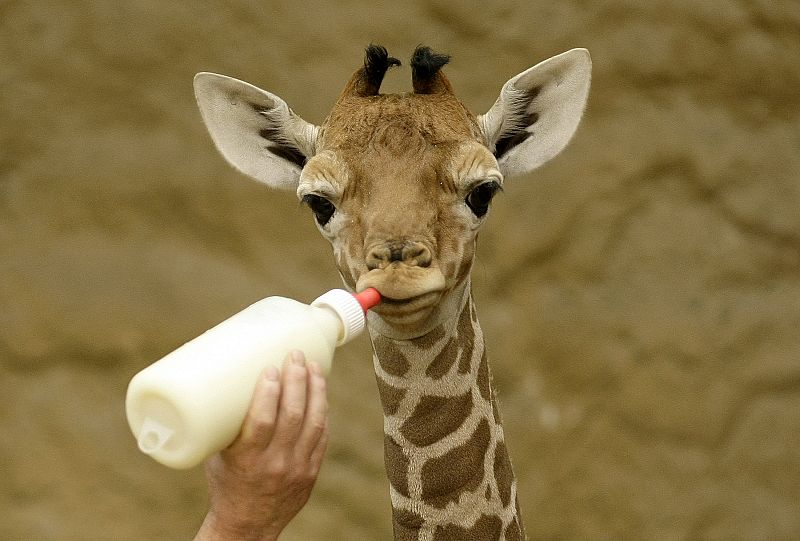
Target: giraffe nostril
column 418, row 255
column 375, row 261
column 411, row 253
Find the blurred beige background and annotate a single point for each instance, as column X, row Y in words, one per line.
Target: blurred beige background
column 640, row 293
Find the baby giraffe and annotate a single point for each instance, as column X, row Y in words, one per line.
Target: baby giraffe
column 400, row 185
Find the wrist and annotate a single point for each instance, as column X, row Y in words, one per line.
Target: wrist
column 216, row 528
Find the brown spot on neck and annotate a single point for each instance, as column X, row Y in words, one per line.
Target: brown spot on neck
column 396, row 465
column 459, row 347
column 503, row 473
column 428, row 341
column 406, row 525
column 441, row 364
column 486, row 528
column 466, row 339
column 435, row 417
column 445, row 478
column 390, row 396
column 391, row 359
column 484, row 378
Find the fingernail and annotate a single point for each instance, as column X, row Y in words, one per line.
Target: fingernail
column 298, row 358
column 271, row 373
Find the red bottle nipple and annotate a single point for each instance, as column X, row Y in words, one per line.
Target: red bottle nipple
column 369, row 298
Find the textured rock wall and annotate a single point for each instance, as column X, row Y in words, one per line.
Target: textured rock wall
column 641, row 293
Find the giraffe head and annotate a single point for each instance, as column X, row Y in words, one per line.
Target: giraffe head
column 400, row 184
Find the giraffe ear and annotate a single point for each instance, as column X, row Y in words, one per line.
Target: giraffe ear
column 254, row 130
column 537, row 112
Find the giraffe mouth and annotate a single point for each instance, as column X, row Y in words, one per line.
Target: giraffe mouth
column 407, row 311
column 420, row 301
column 404, row 285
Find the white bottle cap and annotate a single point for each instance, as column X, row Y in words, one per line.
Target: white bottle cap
column 347, row 308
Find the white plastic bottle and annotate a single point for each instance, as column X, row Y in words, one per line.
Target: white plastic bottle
column 191, row 403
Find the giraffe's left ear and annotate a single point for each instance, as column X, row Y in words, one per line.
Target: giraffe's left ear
column 537, row 112
column 255, row 130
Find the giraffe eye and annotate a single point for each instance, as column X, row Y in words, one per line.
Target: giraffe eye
column 479, row 198
column 322, row 208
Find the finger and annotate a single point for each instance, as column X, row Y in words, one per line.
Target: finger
column 316, row 417
column 259, row 423
column 315, row 462
column 292, row 407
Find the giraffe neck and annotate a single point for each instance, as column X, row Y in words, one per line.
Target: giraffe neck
column 444, row 449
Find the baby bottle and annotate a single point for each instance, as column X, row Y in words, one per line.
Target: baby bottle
column 191, row 403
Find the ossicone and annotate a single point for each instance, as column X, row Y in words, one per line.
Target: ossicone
column 426, row 75
column 367, row 80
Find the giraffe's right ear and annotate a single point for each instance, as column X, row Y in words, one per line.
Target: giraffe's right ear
column 254, row 130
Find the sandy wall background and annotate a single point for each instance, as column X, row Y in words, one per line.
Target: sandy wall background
column 641, row 293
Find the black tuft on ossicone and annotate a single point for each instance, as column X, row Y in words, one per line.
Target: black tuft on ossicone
column 376, row 63
column 425, row 66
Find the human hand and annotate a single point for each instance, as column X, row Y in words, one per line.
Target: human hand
column 263, row 479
